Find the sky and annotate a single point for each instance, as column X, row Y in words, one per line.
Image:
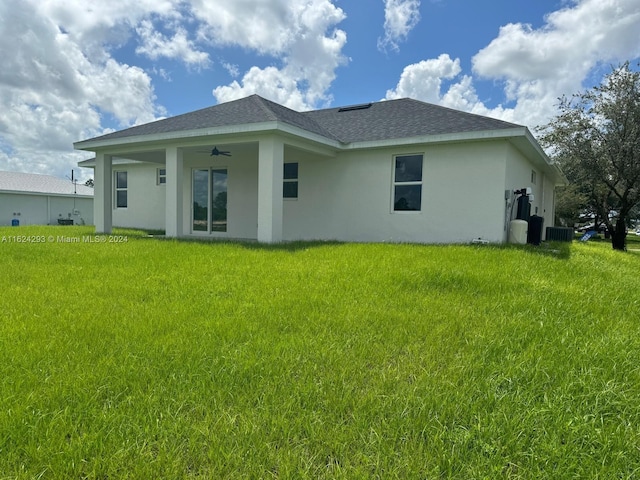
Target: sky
column 76, row 69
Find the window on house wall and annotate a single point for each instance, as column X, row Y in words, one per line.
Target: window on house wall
column 161, row 176
column 290, row 182
column 121, row 189
column 533, row 177
column 407, row 183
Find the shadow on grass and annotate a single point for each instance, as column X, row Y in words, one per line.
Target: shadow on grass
column 290, row 246
column 249, row 244
column 559, row 250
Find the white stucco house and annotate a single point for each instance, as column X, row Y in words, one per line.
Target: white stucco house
column 34, row 199
column 399, row 171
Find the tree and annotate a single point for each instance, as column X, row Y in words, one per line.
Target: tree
column 596, row 140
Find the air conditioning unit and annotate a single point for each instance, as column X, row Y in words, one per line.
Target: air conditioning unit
column 559, row 234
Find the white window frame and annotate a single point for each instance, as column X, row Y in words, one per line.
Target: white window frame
column 161, row 178
column 395, row 183
column 117, row 189
column 291, row 180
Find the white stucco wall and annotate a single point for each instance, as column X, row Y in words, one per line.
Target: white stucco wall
column 242, row 196
column 350, row 197
column 43, row 209
column 519, row 175
column 145, row 198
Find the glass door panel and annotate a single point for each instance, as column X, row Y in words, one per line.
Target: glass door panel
column 219, row 200
column 200, row 193
column 209, row 192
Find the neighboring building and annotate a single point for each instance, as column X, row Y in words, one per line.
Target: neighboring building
column 399, row 170
column 32, row 199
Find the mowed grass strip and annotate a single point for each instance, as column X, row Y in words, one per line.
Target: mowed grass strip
column 179, row 359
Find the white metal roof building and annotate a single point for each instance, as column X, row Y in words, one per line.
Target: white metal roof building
column 34, row 199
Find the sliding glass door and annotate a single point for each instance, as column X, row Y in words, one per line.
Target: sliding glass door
column 209, row 195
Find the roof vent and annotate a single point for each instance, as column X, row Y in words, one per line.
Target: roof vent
column 362, row 106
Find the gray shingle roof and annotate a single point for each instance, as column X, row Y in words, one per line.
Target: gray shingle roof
column 252, row 109
column 41, row 184
column 402, row 118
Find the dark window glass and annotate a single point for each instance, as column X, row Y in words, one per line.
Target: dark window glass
column 218, row 200
column 290, row 190
column 290, row 171
column 121, row 189
column 290, row 184
column 200, row 200
column 121, row 179
column 121, row 199
column 409, row 168
column 408, row 197
column 407, row 191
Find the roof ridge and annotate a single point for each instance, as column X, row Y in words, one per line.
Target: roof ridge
column 262, row 102
column 271, row 107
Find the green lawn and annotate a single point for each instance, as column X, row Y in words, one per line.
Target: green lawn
column 151, row 358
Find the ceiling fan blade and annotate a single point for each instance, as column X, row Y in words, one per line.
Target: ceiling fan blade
column 215, row 152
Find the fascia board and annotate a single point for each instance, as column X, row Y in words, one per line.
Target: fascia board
column 530, row 146
column 91, row 163
column 433, row 139
column 173, row 137
column 46, row 194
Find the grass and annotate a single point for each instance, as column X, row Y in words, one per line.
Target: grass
column 173, row 359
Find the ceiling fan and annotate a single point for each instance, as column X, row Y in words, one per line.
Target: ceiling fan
column 215, row 152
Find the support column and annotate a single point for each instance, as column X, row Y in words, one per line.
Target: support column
column 270, row 171
column 102, row 194
column 174, row 207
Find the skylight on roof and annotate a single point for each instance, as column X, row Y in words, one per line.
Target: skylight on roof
column 361, row 106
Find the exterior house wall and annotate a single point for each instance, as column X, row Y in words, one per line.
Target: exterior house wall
column 43, row 209
column 520, row 174
column 350, row 197
column 242, row 199
column 145, row 198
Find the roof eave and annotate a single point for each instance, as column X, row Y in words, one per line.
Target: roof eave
column 176, row 136
column 439, row 138
column 46, row 194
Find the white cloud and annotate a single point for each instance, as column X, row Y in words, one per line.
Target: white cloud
column 63, row 80
column 55, row 90
column 269, row 82
column 155, row 45
column 304, row 36
column 400, row 17
column 538, row 66
column 232, row 68
column 535, row 66
column 266, row 26
column 423, row 80
column 92, row 23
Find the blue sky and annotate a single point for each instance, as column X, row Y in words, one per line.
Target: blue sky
column 74, row 69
